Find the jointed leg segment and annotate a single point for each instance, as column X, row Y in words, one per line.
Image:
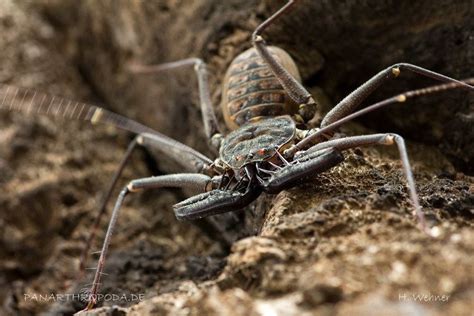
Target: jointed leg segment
column 348, row 105
column 355, row 98
column 295, row 89
column 188, row 157
column 103, row 204
column 184, row 180
column 211, row 127
column 182, row 154
column 318, row 135
column 381, row 139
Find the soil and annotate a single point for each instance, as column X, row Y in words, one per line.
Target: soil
column 344, row 243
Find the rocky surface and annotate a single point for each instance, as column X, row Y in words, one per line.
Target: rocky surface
column 344, row 243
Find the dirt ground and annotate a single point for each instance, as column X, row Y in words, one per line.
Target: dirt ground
column 345, row 243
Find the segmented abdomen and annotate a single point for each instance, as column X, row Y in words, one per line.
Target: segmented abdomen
column 251, row 90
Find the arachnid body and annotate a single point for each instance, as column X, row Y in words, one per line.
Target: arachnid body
column 263, row 103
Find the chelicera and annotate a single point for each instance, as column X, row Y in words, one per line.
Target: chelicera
column 264, row 104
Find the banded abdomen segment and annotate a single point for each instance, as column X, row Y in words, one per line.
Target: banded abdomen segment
column 250, row 89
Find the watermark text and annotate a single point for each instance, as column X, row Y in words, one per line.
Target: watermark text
column 422, row 297
column 57, row 297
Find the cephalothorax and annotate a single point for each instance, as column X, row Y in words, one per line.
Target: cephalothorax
column 264, row 104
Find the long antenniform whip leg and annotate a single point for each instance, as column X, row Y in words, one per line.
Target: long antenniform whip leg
column 400, row 98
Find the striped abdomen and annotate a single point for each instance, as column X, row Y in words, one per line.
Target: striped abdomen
column 250, row 89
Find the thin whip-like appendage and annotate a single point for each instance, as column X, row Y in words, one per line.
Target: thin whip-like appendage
column 33, row 102
column 310, row 140
column 262, row 27
column 30, row 101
